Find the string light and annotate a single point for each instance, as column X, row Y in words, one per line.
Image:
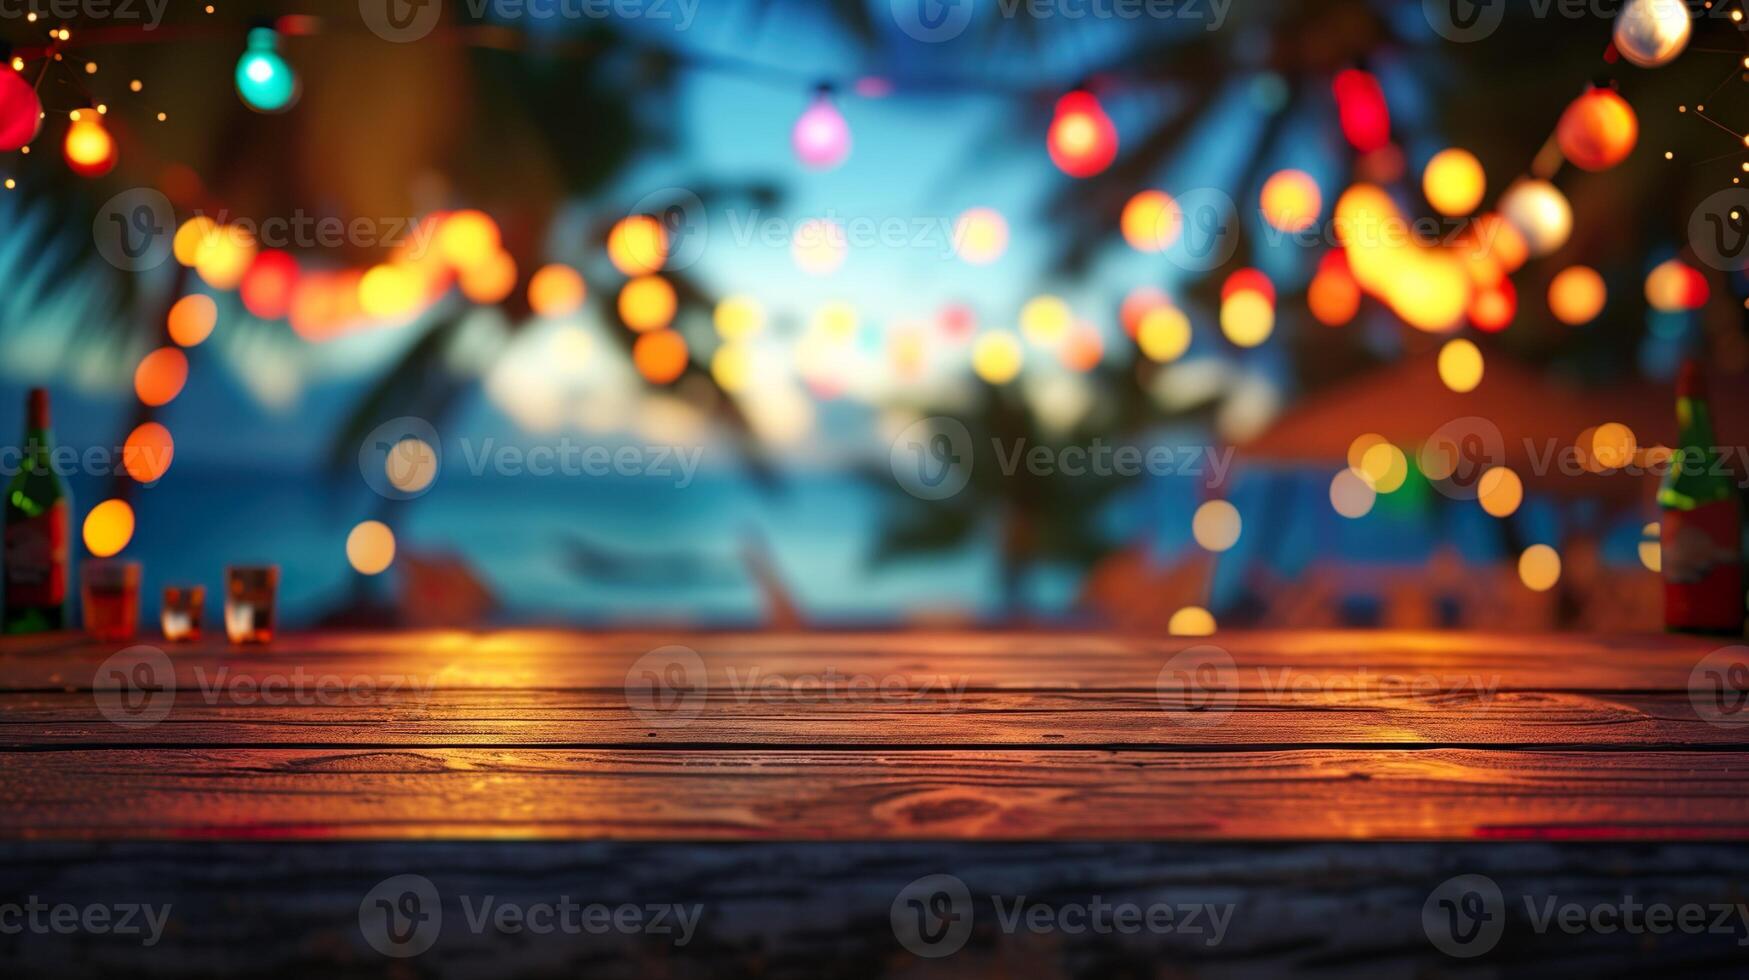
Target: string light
column 89, row 149
column 265, row 81
column 821, row 137
column 1082, row 140
column 20, row 110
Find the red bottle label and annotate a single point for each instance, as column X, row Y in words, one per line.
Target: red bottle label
column 1703, row 568
column 36, row 559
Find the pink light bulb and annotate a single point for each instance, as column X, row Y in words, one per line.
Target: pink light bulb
column 821, row 137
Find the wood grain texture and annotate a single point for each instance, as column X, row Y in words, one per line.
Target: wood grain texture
column 876, row 736
column 1249, row 720
column 805, row 794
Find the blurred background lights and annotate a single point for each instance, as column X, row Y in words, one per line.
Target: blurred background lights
column 1151, row 221
column 661, row 357
column 264, row 80
column 370, row 548
column 160, row 376
column 1500, row 492
column 1460, row 365
column 997, row 357
column 1164, row 334
column 1247, row 318
column 1453, row 182
column 738, row 318
column 1045, row 320
column 1216, row 525
column 411, row 465
column 1651, row 547
column 638, row 245
column 1082, row 140
column 1598, row 130
column 88, row 148
column 1651, row 33
column 1539, row 568
column 821, row 137
column 980, row 236
column 556, row 290
column 1540, row 213
column 1290, row 200
column 1191, row 621
column 108, row 528
column 1577, row 295
column 647, row 303
column 1351, row 495
column 148, row 452
column 192, row 319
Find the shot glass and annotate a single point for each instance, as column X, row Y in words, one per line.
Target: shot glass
column 251, row 594
column 181, row 613
column 109, row 593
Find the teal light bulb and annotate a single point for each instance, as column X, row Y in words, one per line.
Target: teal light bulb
column 264, row 80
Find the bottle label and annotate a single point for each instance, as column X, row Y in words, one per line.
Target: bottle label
column 1703, row 568
column 36, row 559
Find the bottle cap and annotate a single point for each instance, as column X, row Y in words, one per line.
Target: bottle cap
column 1691, row 381
column 37, row 408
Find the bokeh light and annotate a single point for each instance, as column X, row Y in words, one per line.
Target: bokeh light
column 660, row 357
column 739, row 318
column 1453, row 182
column 148, row 452
column 1460, row 365
column 1164, row 334
column 997, row 357
column 819, row 247
column 192, row 319
column 556, row 290
column 108, row 528
column 1151, row 221
column 1216, row 525
column 980, row 236
column 647, row 303
column 1247, row 318
column 638, row 245
column 1500, row 492
column 1351, row 495
column 1045, row 320
column 1539, row 568
column 1290, row 200
column 1191, row 621
column 370, row 548
column 1577, row 295
column 160, row 376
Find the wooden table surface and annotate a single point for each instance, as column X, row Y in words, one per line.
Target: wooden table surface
column 975, row 736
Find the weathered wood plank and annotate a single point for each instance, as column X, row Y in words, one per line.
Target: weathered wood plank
column 876, row 795
column 914, row 660
column 775, row 718
column 824, row 910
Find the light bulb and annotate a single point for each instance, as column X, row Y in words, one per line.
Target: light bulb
column 89, row 149
column 264, row 80
column 821, row 136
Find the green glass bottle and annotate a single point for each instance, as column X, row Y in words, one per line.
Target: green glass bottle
column 1702, row 526
column 38, row 513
